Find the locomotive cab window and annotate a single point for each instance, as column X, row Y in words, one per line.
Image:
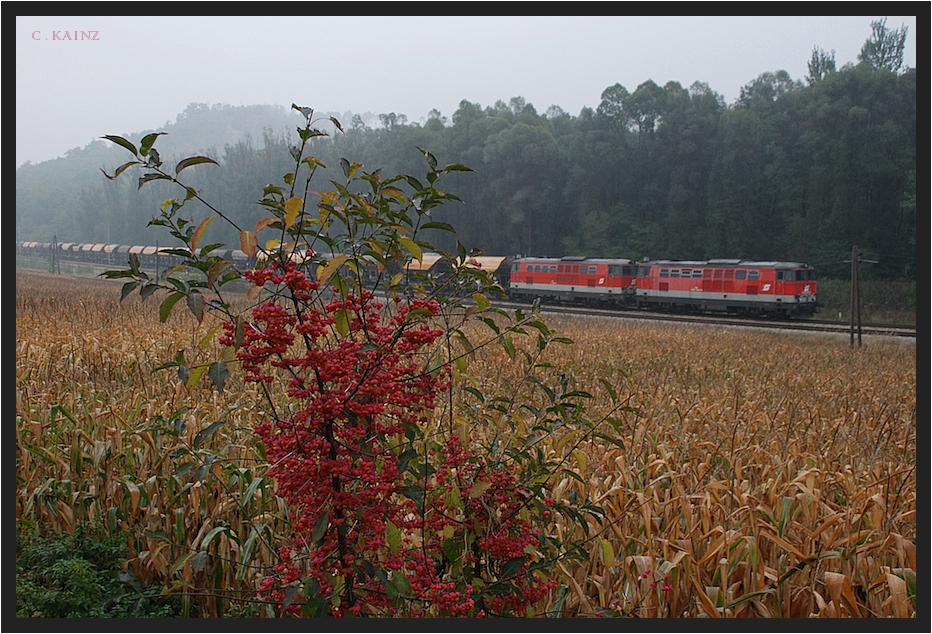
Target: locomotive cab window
column 644, row 271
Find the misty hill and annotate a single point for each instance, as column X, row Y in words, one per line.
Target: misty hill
column 203, row 128
column 59, row 197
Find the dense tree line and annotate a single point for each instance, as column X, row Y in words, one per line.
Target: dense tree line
column 793, row 170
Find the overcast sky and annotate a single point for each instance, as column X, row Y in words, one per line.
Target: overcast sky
column 129, row 74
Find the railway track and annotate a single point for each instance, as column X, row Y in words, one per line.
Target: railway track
column 808, row 325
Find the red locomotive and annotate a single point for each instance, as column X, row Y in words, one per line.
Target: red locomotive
column 782, row 289
column 574, row 279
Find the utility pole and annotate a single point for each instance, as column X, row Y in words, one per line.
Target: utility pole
column 855, row 295
column 55, row 263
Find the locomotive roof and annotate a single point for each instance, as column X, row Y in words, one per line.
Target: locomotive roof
column 575, row 258
column 732, row 263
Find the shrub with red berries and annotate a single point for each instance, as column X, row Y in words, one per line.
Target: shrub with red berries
column 394, row 509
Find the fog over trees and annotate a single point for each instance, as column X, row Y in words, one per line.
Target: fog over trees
column 793, row 170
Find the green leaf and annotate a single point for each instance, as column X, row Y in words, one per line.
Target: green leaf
column 325, row 272
column 60, row 409
column 307, row 112
column 412, row 247
column 218, row 373
column 438, row 225
column 390, row 590
column 289, row 596
column 431, row 161
column 251, row 490
column 457, row 167
column 401, row 583
column 196, row 305
column 207, row 431
column 122, row 142
column 216, row 530
column 393, row 538
column 292, row 208
column 217, row 270
column 166, row 308
column 342, row 321
column 311, row 588
column 320, row 527
column 611, row 391
column 509, row 347
column 478, row 489
column 607, row 553
column 121, row 169
column 147, row 141
column 164, row 366
column 512, row 567
column 128, row 288
column 195, row 376
column 488, row 321
column 148, row 290
column 193, row 160
column 153, row 176
column 272, row 189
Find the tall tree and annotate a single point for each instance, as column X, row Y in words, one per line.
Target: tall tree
column 884, row 48
column 820, row 64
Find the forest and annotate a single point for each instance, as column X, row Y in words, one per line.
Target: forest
column 796, row 170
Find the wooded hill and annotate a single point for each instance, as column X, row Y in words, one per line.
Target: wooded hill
column 793, row 170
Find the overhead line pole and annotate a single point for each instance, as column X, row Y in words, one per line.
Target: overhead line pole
column 855, row 295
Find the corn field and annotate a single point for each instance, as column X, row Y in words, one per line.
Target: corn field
column 756, row 474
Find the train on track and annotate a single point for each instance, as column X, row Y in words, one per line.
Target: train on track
column 742, row 287
column 738, row 287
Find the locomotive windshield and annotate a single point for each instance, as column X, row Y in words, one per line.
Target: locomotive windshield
column 798, row 275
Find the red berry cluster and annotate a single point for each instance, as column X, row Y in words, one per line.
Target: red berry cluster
column 491, row 504
column 353, row 392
